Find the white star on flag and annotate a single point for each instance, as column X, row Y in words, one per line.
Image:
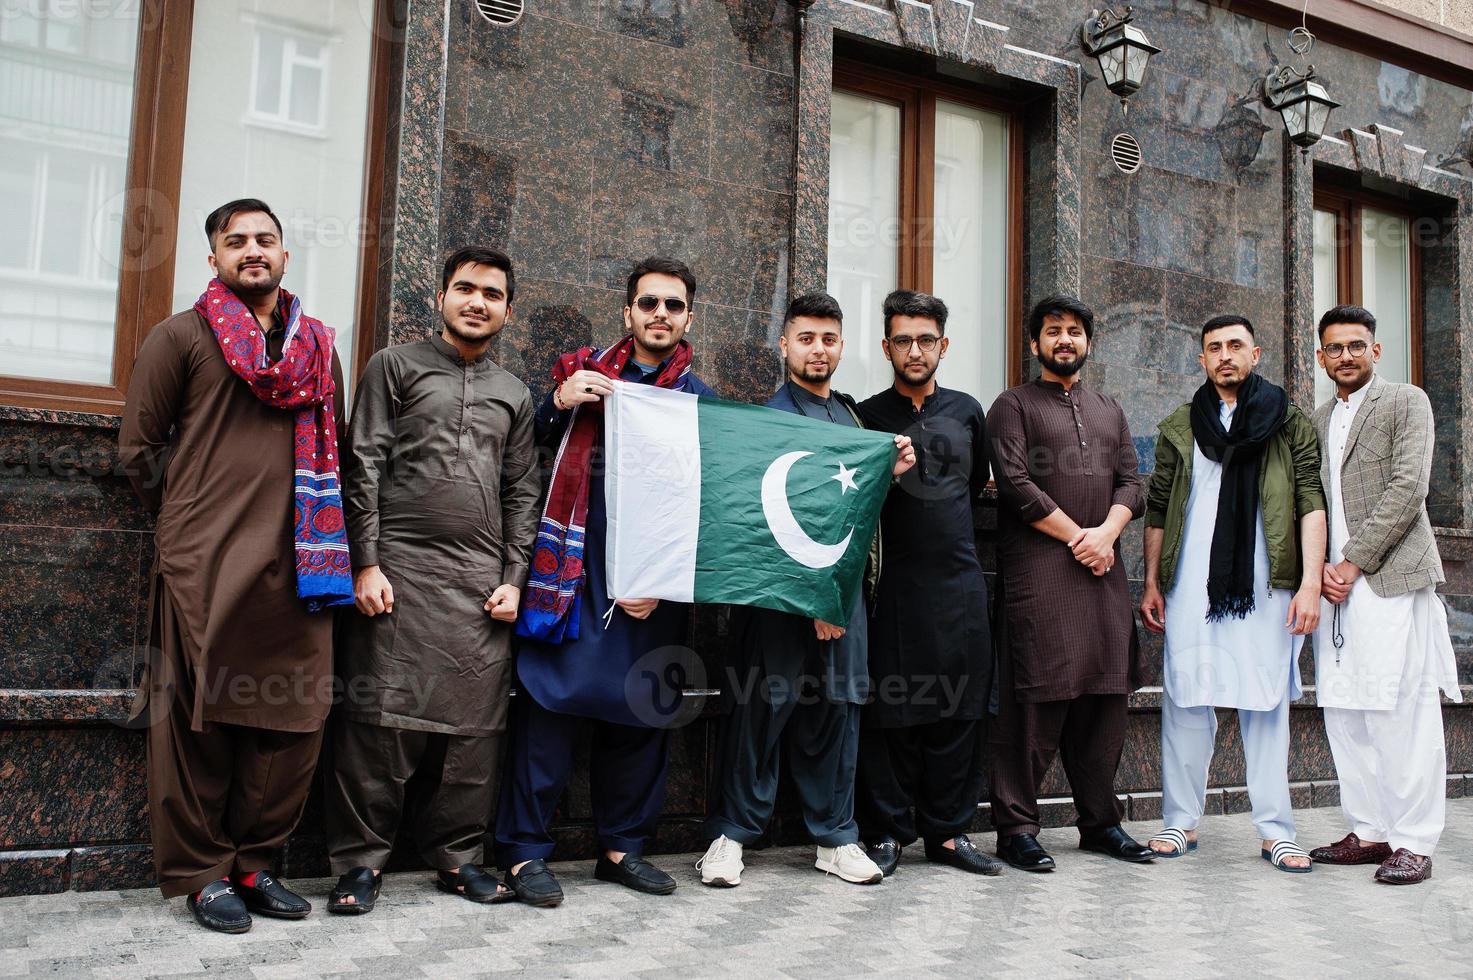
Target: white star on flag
column 845, row 477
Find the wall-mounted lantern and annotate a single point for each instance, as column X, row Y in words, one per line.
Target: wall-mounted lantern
column 1301, row 100
column 1121, row 48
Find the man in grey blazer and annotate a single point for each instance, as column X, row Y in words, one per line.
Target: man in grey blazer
column 1382, row 650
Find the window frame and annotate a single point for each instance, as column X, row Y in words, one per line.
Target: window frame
column 154, row 166
column 1347, row 203
column 290, row 58
column 917, row 96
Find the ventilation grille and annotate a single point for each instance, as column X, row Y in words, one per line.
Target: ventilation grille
column 1126, row 153
column 502, row 13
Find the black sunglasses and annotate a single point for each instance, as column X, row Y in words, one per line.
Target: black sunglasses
column 649, row 304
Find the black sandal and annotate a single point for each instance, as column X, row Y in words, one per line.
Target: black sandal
column 360, row 884
column 472, row 882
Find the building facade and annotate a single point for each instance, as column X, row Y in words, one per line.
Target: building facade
column 968, row 147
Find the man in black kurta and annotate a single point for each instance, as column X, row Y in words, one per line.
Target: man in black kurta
column 794, row 696
column 1069, row 483
column 441, row 497
column 930, row 648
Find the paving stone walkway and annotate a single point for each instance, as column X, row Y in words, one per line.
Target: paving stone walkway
column 1221, row 911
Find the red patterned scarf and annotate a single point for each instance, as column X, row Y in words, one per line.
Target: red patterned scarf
column 555, row 582
column 300, row 383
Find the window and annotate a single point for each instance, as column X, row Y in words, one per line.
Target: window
column 289, row 79
column 108, row 168
column 1365, row 252
column 924, row 186
column 66, row 87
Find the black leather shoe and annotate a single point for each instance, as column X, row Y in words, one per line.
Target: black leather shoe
column 359, row 884
column 535, row 885
column 1116, row 843
column 885, row 852
column 634, row 872
column 216, row 906
column 470, row 881
column 270, row 897
column 1024, row 852
column 966, row 856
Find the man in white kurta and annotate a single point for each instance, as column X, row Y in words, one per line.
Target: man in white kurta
column 1382, row 651
column 1246, row 658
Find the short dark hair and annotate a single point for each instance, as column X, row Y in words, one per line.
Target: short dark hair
column 908, row 302
column 1348, row 313
column 221, row 217
column 819, row 305
column 480, row 255
column 666, row 266
column 1060, row 304
column 1226, row 320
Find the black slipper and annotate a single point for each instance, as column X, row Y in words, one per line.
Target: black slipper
column 362, row 885
column 472, row 882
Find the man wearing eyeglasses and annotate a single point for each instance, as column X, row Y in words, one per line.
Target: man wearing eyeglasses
column 1382, row 649
column 930, row 651
column 1068, row 483
column 578, row 649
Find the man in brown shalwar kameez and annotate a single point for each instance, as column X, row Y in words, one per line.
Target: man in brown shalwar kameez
column 239, row 676
column 1068, row 479
column 441, row 491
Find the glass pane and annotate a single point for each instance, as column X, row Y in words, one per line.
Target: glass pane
column 864, row 232
column 63, row 125
column 1326, row 290
column 1386, row 289
column 268, row 73
column 314, row 184
column 306, row 94
column 970, row 251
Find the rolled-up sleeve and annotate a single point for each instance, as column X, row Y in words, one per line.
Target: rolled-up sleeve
column 1309, row 493
column 1158, row 491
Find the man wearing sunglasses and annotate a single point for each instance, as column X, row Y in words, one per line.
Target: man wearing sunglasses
column 930, row 654
column 1382, row 649
column 578, row 649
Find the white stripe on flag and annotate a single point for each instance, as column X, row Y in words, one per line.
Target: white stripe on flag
column 652, row 455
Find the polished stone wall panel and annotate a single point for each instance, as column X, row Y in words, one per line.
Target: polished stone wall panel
column 62, row 786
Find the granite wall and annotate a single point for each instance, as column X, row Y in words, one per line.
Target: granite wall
column 598, row 131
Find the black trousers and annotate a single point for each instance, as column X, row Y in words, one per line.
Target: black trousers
column 921, row 781
column 1087, row 733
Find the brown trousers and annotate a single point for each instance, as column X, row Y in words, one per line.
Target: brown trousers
column 364, row 794
column 1087, row 733
column 224, row 799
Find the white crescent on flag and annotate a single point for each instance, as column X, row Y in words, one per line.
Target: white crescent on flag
column 785, row 529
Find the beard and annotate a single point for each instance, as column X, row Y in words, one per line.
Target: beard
column 470, row 337
column 234, row 281
column 902, row 373
column 810, row 372
column 1062, row 368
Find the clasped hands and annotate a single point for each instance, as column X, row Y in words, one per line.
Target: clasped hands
column 1094, row 548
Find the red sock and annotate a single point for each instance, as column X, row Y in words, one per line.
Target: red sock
column 247, row 881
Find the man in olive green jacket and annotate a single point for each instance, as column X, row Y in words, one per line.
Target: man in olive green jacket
column 1235, row 545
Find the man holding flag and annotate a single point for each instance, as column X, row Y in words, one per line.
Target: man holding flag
column 578, row 646
column 781, row 654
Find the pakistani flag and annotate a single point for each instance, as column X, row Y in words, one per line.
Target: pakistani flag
column 715, row 501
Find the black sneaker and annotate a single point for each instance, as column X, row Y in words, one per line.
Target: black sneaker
column 216, row 906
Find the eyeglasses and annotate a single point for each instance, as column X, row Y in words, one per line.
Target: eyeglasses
column 1355, row 347
column 649, row 304
column 926, row 343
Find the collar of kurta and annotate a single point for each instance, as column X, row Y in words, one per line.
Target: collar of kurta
column 1055, row 386
column 449, row 350
column 907, row 401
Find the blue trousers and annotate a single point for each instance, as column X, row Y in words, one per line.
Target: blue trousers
column 626, row 778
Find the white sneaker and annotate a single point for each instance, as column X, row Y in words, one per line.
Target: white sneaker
column 849, row 862
column 722, row 865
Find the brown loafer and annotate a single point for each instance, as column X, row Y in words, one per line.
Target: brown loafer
column 1351, row 850
column 1404, row 868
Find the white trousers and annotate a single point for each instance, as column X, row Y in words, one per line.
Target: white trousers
column 1392, row 766
column 1187, row 739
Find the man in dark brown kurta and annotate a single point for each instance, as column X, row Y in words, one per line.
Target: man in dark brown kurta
column 1068, row 479
column 239, row 674
column 441, row 490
